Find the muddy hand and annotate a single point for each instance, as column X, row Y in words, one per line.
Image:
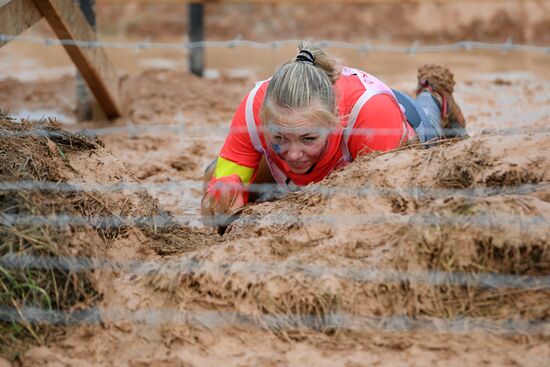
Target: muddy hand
column 227, row 209
column 220, row 212
column 223, row 200
column 226, row 220
column 220, row 216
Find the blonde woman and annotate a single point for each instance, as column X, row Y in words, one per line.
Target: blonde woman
column 312, row 117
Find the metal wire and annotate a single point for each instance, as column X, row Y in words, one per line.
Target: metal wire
column 208, row 133
column 364, row 48
column 280, row 219
column 177, row 186
column 193, row 266
column 219, row 319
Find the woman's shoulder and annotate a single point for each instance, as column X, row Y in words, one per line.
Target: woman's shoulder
column 348, row 90
column 349, row 83
column 259, row 89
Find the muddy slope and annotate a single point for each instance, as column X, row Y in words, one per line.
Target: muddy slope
column 472, row 206
column 326, row 277
column 307, row 279
column 66, row 203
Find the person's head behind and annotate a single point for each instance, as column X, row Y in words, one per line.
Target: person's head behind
column 299, row 108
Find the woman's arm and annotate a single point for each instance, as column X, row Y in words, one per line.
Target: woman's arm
column 238, row 155
column 235, row 167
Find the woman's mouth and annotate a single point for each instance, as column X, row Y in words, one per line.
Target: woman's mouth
column 300, row 165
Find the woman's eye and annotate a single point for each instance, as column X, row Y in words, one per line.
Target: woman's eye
column 309, row 139
column 277, row 138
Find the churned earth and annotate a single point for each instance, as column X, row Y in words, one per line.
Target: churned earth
column 198, row 299
column 349, row 272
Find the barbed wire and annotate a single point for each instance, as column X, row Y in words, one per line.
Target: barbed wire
column 198, row 133
column 364, row 48
column 262, row 188
column 190, row 266
column 279, row 219
column 217, row 319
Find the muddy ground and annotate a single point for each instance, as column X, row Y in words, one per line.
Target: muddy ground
column 484, row 20
column 310, row 279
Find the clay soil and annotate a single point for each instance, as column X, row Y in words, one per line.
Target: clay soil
column 484, row 20
column 315, row 278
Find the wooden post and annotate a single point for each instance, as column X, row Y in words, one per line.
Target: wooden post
column 68, row 22
column 85, row 100
column 16, row 16
column 196, row 34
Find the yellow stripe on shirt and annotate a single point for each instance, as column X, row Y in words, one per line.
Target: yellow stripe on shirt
column 225, row 168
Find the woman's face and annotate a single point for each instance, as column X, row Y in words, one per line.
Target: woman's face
column 299, row 146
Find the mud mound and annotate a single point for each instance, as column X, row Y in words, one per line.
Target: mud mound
column 28, row 158
column 499, row 235
column 389, row 235
column 156, row 96
column 60, row 200
column 48, row 95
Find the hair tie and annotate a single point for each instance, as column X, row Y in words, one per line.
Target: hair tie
column 305, row 56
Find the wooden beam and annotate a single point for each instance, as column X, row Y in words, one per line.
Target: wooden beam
column 16, row 16
column 68, row 22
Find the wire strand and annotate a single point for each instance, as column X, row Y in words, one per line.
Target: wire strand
column 363, row 48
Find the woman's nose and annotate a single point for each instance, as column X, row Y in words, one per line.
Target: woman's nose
column 294, row 152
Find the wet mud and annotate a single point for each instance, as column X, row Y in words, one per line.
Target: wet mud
column 352, row 271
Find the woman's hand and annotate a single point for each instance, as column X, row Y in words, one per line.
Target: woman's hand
column 224, row 197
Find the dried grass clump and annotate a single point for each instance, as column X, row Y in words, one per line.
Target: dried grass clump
column 25, row 156
column 172, row 239
column 514, row 175
column 460, row 172
column 291, row 298
column 43, row 153
column 505, row 236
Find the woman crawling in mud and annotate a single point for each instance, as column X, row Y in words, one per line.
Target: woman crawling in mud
column 312, row 117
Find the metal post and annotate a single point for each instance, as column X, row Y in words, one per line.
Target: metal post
column 85, row 100
column 196, row 34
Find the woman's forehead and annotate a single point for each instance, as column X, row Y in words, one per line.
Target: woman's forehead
column 301, row 129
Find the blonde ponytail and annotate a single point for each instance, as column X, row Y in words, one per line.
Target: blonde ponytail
column 322, row 60
column 303, row 85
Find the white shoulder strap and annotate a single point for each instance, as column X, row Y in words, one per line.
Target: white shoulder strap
column 365, row 97
column 373, row 87
column 251, row 121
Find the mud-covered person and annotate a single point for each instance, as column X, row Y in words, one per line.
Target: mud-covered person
column 313, row 116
